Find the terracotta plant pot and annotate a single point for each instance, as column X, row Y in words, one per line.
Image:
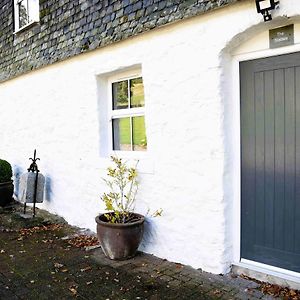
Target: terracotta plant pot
column 6, row 192
column 120, row 241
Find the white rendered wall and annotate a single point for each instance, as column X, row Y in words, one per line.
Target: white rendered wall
column 188, row 169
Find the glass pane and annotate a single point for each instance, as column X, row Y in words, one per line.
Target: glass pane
column 121, row 134
column 139, row 134
column 120, row 94
column 23, row 13
column 137, row 92
column 33, row 8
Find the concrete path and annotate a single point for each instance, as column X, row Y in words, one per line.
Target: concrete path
column 39, row 260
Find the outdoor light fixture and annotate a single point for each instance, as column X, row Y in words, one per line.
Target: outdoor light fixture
column 265, row 6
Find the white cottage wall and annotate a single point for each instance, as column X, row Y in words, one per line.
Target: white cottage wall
column 188, row 168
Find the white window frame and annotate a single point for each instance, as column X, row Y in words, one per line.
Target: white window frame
column 123, row 113
column 34, row 14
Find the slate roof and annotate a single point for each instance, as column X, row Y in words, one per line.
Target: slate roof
column 70, row 27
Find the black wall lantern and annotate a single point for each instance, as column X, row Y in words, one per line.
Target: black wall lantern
column 265, row 6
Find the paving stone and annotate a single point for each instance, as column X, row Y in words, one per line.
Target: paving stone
column 243, row 296
column 268, row 297
column 42, row 265
column 166, row 278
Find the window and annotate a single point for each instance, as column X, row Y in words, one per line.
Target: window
column 128, row 115
column 26, row 13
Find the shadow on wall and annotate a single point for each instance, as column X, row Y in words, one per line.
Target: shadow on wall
column 18, row 171
column 149, row 236
column 48, row 188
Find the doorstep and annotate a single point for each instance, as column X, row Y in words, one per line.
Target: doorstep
column 267, row 273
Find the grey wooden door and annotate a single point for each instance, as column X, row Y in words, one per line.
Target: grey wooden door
column 270, row 161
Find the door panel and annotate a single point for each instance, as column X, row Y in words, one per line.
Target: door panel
column 270, row 160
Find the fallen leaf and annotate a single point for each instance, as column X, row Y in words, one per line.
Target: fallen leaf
column 73, row 290
column 29, row 231
column 293, row 293
column 86, row 269
column 58, row 265
column 84, row 241
column 275, row 290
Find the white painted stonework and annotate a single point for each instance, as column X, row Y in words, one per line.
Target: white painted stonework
column 191, row 168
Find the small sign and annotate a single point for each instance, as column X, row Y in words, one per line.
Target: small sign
column 27, row 187
column 280, row 37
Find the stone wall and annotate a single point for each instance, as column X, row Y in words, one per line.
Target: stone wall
column 68, row 28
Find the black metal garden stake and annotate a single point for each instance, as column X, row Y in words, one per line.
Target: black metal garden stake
column 34, row 169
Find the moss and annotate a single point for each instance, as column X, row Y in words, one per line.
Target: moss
column 85, row 47
column 44, row 12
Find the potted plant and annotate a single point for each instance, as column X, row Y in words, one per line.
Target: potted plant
column 6, row 183
column 120, row 230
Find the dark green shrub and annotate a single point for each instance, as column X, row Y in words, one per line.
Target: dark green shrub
column 5, row 171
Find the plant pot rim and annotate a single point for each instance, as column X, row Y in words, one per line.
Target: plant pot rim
column 120, row 225
column 6, row 182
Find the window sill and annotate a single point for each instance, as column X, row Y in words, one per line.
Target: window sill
column 26, row 27
column 137, row 155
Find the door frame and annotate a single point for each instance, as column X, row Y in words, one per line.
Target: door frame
column 236, row 157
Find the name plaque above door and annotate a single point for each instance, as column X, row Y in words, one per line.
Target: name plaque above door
column 280, row 37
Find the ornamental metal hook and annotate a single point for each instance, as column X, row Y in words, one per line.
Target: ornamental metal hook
column 33, row 166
